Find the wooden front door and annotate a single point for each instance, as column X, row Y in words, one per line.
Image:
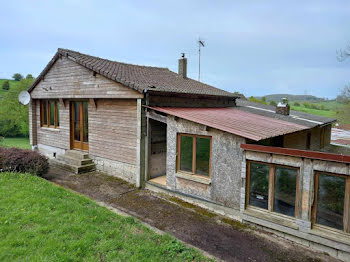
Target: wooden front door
column 79, row 125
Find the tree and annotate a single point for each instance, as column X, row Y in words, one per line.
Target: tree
column 273, row 103
column 343, row 54
column 344, row 114
column 296, row 104
column 263, row 99
column 17, row 77
column 29, row 76
column 6, row 85
column 14, row 117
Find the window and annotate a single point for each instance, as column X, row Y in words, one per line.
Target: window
column 273, row 187
column 332, row 205
column 49, row 113
column 194, row 154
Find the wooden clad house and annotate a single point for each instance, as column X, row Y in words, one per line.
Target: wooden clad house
column 164, row 131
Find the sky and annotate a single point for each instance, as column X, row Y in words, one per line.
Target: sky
column 253, row 47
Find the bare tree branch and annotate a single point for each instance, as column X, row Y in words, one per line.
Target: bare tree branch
column 343, row 54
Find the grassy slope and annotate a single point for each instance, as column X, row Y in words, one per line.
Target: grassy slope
column 19, row 142
column 43, row 222
column 329, row 113
column 332, row 105
column 12, row 83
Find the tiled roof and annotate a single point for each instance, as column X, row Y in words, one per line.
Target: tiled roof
column 140, row 78
column 296, row 117
column 235, row 121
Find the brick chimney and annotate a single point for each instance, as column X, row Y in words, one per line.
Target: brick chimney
column 183, row 66
column 283, row 107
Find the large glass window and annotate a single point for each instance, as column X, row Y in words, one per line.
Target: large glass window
column 272, row 187
column 49, row 113
column 331, row 207
column 285, row 190
column 194, row 154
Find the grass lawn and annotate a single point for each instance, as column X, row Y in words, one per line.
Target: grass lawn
column 325, row 113
column 43, row 222
column 19, row 142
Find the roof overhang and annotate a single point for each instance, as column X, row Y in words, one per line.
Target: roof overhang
column 234, row 121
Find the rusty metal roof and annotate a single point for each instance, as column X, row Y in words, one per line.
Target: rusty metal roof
column 234, row 121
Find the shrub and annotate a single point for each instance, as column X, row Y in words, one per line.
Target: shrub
column 273, row 103
column 296, row 104
column 6, row 85
column 24, row 161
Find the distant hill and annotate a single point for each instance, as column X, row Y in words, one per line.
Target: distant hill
column 278, row 97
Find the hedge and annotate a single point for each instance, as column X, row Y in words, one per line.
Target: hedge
column 23, row 161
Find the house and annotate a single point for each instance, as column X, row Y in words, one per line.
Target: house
column 166, row 132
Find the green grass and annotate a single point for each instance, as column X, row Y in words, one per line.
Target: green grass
column 12, row 83
column 43, row 222
column 19, row 142
column 325, row 113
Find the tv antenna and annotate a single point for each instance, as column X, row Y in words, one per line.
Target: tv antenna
column 200, row 44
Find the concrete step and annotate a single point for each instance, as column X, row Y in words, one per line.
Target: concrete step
column 73, row 161
column 73, row 168
column 76, row 154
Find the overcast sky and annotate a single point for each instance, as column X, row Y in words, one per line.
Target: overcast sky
column 254, row 47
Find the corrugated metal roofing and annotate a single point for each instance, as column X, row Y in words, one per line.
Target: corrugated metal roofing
column 234, row 121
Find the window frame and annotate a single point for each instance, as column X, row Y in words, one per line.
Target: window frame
column 271, row 190
column 346, row 218
column 48, row 113
column 194, row 151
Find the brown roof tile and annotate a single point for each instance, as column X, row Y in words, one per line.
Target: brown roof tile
column 138, row 77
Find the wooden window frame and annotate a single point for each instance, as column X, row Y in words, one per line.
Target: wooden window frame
column 271, row 190
column 346, row 218
column 194, row 151
column 48, row 113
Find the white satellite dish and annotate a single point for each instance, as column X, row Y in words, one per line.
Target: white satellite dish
column 24, row 97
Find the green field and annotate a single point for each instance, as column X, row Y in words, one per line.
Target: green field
column 19, row 142
column 12, row 83
column 44, row 222
column 325, row 113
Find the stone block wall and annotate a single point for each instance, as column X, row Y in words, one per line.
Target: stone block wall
column 225, row 180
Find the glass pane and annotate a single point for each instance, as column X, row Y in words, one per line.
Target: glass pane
column 52, row 113
column 202, row 156
column 76, row 106
column 85, row 122
column 259, row 185
column 58, row 113
column 285, row 190
column 330, row 201
column 45, row 112
column 186, row 148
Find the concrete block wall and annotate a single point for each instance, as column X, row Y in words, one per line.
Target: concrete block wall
column 225, row 181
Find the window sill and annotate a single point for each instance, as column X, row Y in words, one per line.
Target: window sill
column 330, row 233
column 271, row 217
column 195, row 178
column 49, row 128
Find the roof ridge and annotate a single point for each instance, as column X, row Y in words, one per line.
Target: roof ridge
column 60, row 50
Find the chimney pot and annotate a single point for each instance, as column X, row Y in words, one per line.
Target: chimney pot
column 183, row 66
column 283, row 107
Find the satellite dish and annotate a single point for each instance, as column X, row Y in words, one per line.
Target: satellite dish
column 24, row 97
